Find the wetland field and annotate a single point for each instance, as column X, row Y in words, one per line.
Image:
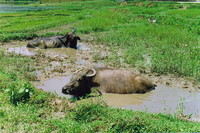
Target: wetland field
column 161, row 40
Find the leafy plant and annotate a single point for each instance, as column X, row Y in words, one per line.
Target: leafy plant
column 20, row 92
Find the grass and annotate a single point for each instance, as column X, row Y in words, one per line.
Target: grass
column 15, row 77
column 165, row 56
column 170, row 45
column 26, row 109
column 45, row 112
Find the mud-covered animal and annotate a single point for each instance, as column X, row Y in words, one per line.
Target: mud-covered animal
column 107, row 81
column 69, row 40
column 50, row 42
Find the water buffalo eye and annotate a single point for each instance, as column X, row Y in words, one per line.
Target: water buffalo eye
column 79, row 79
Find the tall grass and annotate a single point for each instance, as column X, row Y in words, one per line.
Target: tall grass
column 168, row 50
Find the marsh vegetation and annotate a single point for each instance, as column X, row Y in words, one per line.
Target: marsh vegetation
column 168, row 45
column 171, row 43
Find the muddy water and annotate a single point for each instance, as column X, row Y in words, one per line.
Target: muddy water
column 163, row 99
column 54, row 85
column 22, row 51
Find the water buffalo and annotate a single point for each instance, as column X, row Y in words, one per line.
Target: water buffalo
column 108, row 81
column 69, row 40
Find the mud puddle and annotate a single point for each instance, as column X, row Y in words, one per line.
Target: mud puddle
column 54, row 85
column 55, row 66
column 163, row 99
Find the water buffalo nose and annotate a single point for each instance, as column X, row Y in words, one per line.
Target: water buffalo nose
column 64, row 88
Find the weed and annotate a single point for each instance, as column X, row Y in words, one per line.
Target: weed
column 20, row 92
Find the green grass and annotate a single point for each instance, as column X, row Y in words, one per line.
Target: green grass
column 44, row 114
column 177, row 55
column 15, row 74
column 26, row 109
column 171, row 44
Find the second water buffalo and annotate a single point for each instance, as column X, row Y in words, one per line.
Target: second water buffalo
column 108, row 81
column 69, row 40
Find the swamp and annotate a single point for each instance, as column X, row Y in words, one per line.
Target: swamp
column 161, row 40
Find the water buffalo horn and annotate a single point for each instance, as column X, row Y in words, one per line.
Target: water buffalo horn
column 73, row 29
column 92, row 74
column 77, row 70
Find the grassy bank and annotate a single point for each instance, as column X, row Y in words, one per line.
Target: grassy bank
column 25, row 109
column 170, row 45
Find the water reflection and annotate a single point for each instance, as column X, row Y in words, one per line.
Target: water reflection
column 22, row 51
column 59, row 52
column 55, row 85
column 5, row 8
column 122, row 100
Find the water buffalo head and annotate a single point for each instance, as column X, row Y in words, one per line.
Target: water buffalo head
column 72, row 40
column 80, row 83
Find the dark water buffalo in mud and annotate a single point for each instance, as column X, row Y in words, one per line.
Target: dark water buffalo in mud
column 107, row 81
column 69, row 40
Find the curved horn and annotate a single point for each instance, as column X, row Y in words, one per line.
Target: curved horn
column 77, row 71
column 89, row 74
column 70, row 32
column 74, row 29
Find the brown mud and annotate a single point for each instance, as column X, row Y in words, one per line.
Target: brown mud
column 55, row 67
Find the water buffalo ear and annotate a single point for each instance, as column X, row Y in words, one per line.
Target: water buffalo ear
column 78, row 38
column 91, row 73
